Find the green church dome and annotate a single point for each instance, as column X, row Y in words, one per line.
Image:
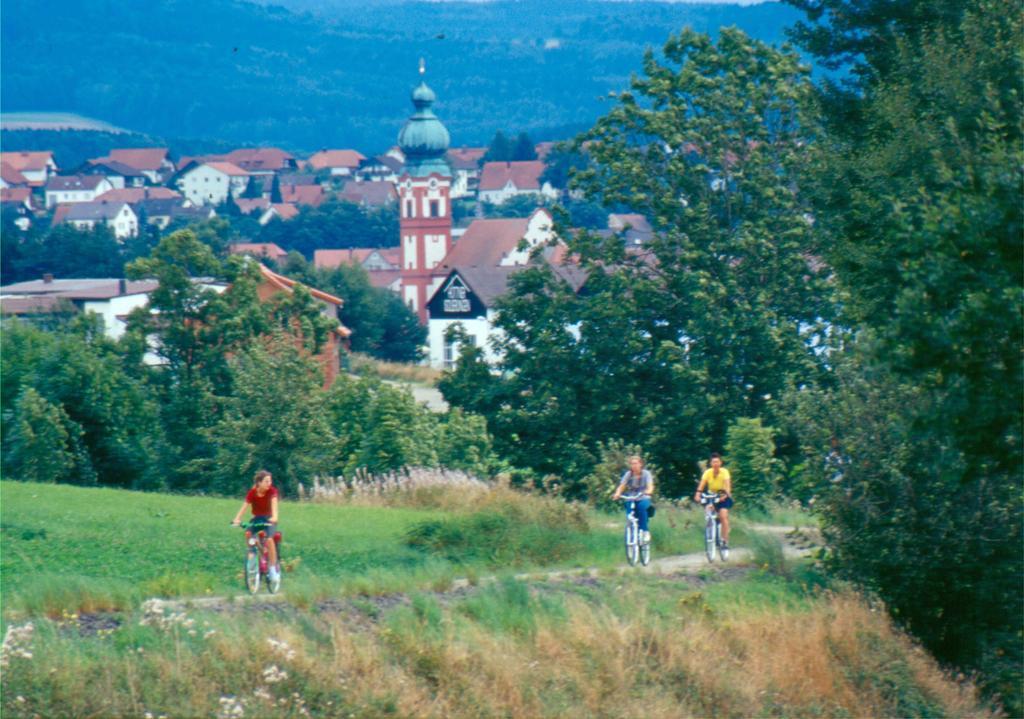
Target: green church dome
column 424, row 139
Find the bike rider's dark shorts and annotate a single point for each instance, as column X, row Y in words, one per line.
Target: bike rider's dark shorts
column 264, row 525
column 724, row 503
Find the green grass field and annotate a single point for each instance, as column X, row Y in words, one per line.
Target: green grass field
column 70, row 548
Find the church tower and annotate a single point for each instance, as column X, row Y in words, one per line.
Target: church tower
column 424, row 200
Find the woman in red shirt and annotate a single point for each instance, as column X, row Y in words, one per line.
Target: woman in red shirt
column 263, row 500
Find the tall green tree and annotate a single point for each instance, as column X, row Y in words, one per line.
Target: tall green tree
column 523, row 149
column 500, row 149
column 710, row 320
column 918, row 202
column 40, row 443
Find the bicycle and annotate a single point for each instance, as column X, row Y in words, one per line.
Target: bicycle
column 712, row 528
column 257, row 556
column 637, row 549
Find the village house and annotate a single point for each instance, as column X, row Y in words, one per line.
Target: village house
column 339, row 163
column 209, row 183
column 119, row 174
column 282, row 211
column 311, row 195
column 500, row 181
column 35, row 167
column 262, row 160
column 465, row 164
column 118, row 216
column 382, row 168
column 65, row 190
column 152, row 162
column 475, row 273
column 370, row 193
column 9, row 177
column 114, row 299
column 381, row 263
column 162, row 211
column 259, row 250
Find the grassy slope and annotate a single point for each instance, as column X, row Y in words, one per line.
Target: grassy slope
column 84, row 548
column 626, row 646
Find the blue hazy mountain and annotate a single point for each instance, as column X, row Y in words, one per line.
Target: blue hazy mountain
column 242, row 72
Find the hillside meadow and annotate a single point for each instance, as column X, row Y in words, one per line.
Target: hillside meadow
column 68, row 548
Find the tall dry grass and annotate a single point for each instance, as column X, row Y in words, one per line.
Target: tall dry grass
column 840, row 658
column 421, row 487
column 365, row 365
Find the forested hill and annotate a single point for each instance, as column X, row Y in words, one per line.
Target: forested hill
column 246, row 72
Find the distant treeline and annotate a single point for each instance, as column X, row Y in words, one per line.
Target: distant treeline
column 242, row 72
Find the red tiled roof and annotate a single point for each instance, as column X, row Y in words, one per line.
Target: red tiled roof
column 543, row 149
column 302, row 194
column 258, row 249
column 333, row 258
column 16, row 194
column 251, row 204
column 392, row 255
column 618, row 221
column 31, row 161
column 383, row 278
column 228, row 168
column 485, row 242
column 138, row 194
column 59, row 183
column 336, row 158
column 61, row 213
column 374, row 193
column 141, row 158
column 262, row 158
column 469, row 154
column 286, row 284
column 524, row 175
column 11, row 175
column 284, row 210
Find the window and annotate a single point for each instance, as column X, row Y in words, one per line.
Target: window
column 449, row 355
column 408, row 208
column 435, row 208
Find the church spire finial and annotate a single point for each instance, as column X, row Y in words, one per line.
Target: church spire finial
column 423, row 66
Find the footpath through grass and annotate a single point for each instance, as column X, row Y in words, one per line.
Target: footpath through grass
column 69, row 548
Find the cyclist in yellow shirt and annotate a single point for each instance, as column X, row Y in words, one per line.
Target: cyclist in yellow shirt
column 717, row 479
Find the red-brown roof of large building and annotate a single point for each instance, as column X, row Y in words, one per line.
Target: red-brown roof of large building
column 31, row 161
column 251, row 204
column 336, row 158
column 138, row 194
column 284, row 210
column 262, row 158
column 334, row 258
column 523, row 175
column 485, row 242
column 287, row 284
column 302, row 194
column 16, row 194
column 11, row 175
column 63, row 183
column 139, row 158
column 228, row 168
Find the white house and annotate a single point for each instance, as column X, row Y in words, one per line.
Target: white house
column 151, row 162
column 118, row 216
column 35, row 167
column 475, row 273
column 65, row 190
column 500, row 181
column 209, row 183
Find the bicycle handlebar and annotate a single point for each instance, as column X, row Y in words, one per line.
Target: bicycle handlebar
column 632, row 497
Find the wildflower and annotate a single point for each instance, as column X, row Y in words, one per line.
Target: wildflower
column 209, row 633
column 230, row 708
column 282, row 648
column 16, row 642
column 272, row 675
column 262, row 693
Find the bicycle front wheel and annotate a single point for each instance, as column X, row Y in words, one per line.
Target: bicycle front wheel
column 252, row 572
column 710, row 540
column 632, row 545
column 645, row 553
